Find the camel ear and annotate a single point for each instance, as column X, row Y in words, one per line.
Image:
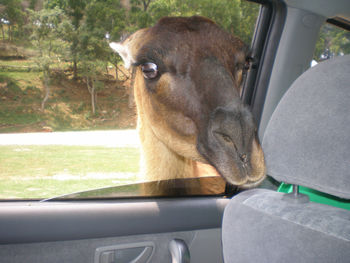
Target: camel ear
column 124, row 52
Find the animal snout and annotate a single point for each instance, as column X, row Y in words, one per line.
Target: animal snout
column 231, row 141
column 232, row 146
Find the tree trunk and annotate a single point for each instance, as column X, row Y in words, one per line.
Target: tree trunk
column 91, row 89
column 146, row 4
column 75, row 68
column 2, row 31
column 93, row 100
column 46, row 90
column 95, row 97
column 9, row 32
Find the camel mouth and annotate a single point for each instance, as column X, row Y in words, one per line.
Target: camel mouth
column 230, row 143
column 245, row 175
column 252, row 184
column 243, row 183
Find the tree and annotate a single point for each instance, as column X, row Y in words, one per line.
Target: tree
column 102, row 18
column 105, row 16
column 332, row 42
column 90, row 71
column 235, row 16
column 45, row 26
column 105, row 20
column 87, row 25
column 246, row 24
column 11, row 15
column 74, row 11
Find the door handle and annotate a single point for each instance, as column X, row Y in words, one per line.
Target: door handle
column 179, row 251
column 127, row 253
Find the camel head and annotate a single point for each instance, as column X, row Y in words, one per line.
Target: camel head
column 187, row 89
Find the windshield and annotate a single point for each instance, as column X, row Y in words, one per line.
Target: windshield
column 68, row 118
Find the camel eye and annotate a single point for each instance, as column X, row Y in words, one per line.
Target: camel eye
column 149, row 70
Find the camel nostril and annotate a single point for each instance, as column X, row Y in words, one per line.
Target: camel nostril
column 243, row 157
column 224, row 137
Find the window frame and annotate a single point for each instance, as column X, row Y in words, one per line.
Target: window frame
column 264, row 48
column 253, row 95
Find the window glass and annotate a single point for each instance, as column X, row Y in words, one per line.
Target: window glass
column 67, row 110
column 333, row 41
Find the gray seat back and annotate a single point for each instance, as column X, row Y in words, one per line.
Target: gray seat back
column 307, row 141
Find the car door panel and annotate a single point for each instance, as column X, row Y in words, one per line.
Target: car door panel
column 204, row 246
column 75, row 231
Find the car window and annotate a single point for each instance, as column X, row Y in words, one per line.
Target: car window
column 67, row 111
column 334, row 40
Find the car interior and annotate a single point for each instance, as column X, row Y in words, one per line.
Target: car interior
column 285, row 226
column 303, row 118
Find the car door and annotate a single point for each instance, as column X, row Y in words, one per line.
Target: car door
column 131, row 227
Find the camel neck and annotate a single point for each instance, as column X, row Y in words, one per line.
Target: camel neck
column 158, row 161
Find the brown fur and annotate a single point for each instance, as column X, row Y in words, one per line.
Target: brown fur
column 190, row 119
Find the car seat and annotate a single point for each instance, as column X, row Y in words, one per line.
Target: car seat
column 306, row 143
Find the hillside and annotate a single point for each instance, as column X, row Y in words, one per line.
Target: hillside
column 68, row 106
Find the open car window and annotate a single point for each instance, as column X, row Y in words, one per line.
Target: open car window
column 334, row 40
column 67, row 112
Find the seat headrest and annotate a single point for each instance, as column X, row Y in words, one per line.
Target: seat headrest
column 307, row 140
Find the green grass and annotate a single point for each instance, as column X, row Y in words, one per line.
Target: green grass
column 20, row 76
column 37, row 172
column 18, row 63
column 18, row 116
column 15, row 69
